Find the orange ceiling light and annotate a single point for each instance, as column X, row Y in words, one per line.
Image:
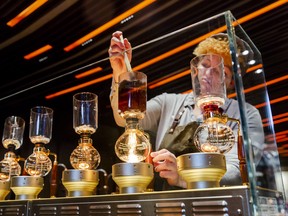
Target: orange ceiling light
column 174, row 51
column 38, row 52
column 165, row 80
column 161, row 81
column 89, row 72
column 74, row 88
column 108, row 25
column 284, row 146
column 272, row 101
column 26, row 12
column 261, row 85
column 253, row 68
column 276, row 117
column 221, row 29
column 276, row 122
column 262, row 11
column 178, row 49
column 278, row 135
column 282, row 140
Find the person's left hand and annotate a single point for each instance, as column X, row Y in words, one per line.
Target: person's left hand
column 166, row 164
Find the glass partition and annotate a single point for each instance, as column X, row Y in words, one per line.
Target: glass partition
column 172, row 62
column 264, row 169
column 262, row 158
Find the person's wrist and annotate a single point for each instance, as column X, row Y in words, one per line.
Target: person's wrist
column 115, row 80
column 114, row 86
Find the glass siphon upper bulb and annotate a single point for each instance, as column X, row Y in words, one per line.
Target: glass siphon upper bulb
column 13, row 132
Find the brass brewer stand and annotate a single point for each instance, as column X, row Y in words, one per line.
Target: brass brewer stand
column 84, row 178
column 206, row 169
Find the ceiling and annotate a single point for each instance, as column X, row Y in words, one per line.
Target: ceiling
column 59, row 23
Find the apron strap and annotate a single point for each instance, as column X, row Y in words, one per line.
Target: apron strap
column 177, row 118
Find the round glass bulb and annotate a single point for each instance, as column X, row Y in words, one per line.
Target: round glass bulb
column 132, row 146
column 214, row 136
column 9, row 167
column 85, row 157
column 38, row 163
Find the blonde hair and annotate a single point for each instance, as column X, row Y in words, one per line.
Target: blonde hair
column 218, row 46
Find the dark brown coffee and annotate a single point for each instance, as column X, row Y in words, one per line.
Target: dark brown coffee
column 132, row 96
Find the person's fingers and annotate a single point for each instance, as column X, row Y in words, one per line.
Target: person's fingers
column 168, row 175
column 114, row 50
column 154, row 154
column 117, row 47
column 127, row 45
column 166, row 165
column 164, row 156
column 117, row 34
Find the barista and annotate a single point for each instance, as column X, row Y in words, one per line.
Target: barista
column 174, row 117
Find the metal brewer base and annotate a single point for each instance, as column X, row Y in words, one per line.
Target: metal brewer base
column 201, row 170
column 80, row 182
column 26, row 187
column 132, row 177
column 4, row 189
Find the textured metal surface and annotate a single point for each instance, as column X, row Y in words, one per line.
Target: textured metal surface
column 80, row 182
column 15, row 207
column 213, row 201
column 4, row 189
column 202, row 170
column 132, row 177
column 26, row 187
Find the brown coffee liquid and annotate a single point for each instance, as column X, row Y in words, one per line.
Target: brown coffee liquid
column 132, row 96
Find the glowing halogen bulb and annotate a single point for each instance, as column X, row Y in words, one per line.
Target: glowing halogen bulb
column 132, row 139
column 132, row 146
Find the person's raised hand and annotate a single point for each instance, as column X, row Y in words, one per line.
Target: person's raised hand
column 116, row 51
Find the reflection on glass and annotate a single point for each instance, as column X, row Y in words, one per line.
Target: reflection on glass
column 85, row 113
column 85, row 156
column 40, row 133
column 13, row 132
column 132, row 94
column 213, row 135
column 85, row 123
column 208, row 80
column 12, row 139
column 9, row 167
column 41, row 119
column 209, row 89
column 38, row 163
column 133, row 145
